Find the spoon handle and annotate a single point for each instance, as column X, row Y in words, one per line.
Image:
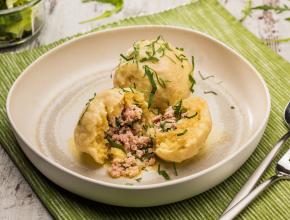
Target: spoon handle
column 236, row 209
column 250, row 184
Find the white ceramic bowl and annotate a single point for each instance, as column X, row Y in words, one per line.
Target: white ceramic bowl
column 46, row 100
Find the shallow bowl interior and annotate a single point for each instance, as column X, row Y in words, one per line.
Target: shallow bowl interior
column 46, row 100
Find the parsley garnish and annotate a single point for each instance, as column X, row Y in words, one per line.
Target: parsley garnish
column 181, row 133
column 163, row 173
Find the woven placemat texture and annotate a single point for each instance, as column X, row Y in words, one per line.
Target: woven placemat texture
column 209, row 17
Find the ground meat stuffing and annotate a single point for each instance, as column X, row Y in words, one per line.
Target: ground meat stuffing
column 124, row 167
column 167, row 121
column 128, row 131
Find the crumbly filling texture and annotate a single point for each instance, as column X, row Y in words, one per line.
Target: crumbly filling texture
column 128, row 132
column 165, row 122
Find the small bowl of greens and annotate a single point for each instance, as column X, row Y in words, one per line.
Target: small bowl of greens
column 20, row 20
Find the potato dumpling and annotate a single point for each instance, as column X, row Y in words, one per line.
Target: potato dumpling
column 100, row 111
column 182, row 140
column 159, row 70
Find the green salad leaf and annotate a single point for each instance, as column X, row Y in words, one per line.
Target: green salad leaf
column 118, row 5
column 14, row 26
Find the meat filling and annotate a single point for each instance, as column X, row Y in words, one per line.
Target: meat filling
column 165, row 122
column 128, row 132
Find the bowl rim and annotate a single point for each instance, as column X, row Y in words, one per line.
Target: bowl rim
column 154, row 185
column 19, row 8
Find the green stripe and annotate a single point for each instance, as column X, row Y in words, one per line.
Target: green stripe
column 211, row 18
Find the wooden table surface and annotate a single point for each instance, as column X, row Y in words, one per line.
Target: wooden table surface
column 17, row 200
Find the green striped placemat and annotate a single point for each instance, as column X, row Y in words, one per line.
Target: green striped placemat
column 209, row 17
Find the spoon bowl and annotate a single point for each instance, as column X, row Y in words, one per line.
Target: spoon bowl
column 287, row 115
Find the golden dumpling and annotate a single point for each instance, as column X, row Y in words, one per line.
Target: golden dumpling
column 89, row 134
column 159, row 70
column 113, row 128
column 182, row 140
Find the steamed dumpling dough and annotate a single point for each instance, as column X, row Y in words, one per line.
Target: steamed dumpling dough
column 191, row 132
column 166, row 66
column 90, row 132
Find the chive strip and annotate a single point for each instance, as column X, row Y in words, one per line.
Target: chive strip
column 175, row 170
column 150, row 76
column 182, row 133
column 190, row 77
column 209, row 92
column 181, row 57
column 151, row 58
column 192, row 81
column 160, row 81
column 204, row 77
column 115, row 145
column 126, row 58
column 177, row 109
column 192, row 116
column 170, row 59
column 163, row 173
column 87, row 106
column 138, row 179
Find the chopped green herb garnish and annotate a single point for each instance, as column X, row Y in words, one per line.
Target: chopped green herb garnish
column 181, row 57
column 191, row 116
column 179, row 48
column 126, row 58
column 178, row 109
column 115, row 144
column 174, row 169
column 150, row 58
column 190, row 77
column 138, row 179
column 172, row 60
column 163, row 173
column 125, row 90
column 166, row 45
column 87, row 105
column 209, row 92
column 182, row 133
column 204, row 77
column 192, row 81
column 117, row 123
column 160, row 81
column 150, row 76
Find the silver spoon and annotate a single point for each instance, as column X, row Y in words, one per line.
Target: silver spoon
column 250, row 184
column 282, row 172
